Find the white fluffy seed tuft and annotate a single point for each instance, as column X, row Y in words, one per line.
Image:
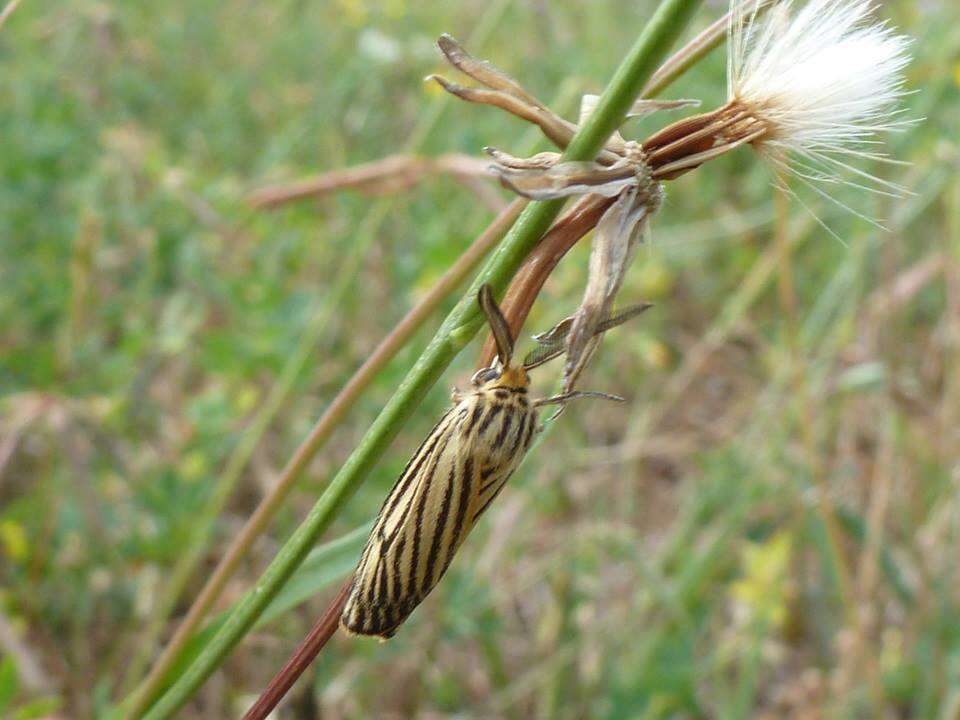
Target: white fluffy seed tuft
column 825, row 79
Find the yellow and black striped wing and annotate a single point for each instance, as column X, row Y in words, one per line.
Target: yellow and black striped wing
column 450, row 481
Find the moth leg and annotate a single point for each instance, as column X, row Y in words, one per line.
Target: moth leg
column 566, row 397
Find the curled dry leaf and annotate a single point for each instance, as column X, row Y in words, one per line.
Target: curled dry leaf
column 506, row 93
column 641, row 108
column 618, row 233
column 540, row 161
column 483, row 71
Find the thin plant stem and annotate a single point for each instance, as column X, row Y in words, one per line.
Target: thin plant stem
column 456, row 332
column 785, row 286
column 323, row 428
column 403, row 170
column 373, row 221
column 301, row 659
column 950, row 407
column 871, row 568
column 321, row 431
column 684, row 59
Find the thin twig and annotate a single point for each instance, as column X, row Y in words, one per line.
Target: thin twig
column 379, row 176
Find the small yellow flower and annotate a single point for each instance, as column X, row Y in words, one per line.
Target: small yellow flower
column 762, row 590
column 246, row 398
column 14, row 540
column 193, row 465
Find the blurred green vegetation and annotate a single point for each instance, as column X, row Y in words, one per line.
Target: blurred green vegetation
column 768, row 529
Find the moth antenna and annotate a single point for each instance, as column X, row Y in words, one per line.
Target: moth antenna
column 498, row 324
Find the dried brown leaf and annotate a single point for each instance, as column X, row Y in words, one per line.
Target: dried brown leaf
column 540, row 161
column 617, row 235
column 557, row 130
column 483, row 71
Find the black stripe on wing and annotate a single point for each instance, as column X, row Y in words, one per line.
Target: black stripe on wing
column 385, row 587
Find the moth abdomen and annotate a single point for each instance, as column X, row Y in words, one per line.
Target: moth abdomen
column 451, row 480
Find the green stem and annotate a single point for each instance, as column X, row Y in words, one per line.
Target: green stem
column 457, row 330
column 398, row 338
column 202, row 530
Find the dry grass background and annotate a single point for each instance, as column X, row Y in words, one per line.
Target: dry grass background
column 769, row 528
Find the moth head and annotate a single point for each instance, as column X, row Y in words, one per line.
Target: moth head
column 484, row 375
column 496, row 376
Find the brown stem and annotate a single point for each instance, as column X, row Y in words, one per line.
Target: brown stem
column 379, row 176
column 527, row 283
column 305, row 653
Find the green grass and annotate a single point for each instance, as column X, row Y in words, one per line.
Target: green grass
column 664, row 559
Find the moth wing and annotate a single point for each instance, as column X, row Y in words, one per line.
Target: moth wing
column 457, row 473
column 421, row 524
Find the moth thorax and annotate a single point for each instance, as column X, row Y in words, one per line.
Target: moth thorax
column 513, row 377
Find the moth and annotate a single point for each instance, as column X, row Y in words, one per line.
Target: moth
column 450, row 481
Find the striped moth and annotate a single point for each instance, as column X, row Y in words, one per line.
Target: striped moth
column 450, row 481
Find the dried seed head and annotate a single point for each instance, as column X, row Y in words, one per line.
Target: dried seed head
column 824, row 81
